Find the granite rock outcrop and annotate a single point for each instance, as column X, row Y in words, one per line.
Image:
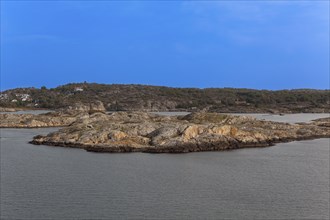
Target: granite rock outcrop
column 145, row 132
column 59, row 118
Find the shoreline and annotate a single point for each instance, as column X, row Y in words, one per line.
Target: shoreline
column 150, row 133
column 271, row 111
column 174, row 149
column 93, row 129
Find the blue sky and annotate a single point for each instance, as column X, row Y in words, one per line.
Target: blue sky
column 255, row 44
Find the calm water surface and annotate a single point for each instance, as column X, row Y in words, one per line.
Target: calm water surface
column 287, row 181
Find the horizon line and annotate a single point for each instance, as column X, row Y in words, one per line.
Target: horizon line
column 152, row 85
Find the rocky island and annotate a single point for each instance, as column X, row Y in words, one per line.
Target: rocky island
column 4, row 109
column 91, row 128
column 144, row 132
column 59, row 118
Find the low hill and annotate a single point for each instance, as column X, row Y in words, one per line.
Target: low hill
column 117, row 97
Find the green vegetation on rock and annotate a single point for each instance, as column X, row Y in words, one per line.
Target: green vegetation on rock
column 158, row 98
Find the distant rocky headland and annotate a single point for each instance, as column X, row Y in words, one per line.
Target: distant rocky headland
column 117, row 97
column 59, row 118
column 89, row 127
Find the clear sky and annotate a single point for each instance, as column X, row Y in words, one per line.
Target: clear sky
column 254, row 44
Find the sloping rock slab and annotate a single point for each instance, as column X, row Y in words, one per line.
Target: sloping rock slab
column 144, row 132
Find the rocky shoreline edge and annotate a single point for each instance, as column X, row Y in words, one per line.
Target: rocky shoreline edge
column 90, row 128
column 175, row 149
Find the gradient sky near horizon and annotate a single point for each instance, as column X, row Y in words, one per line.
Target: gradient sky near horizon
column 254, row 44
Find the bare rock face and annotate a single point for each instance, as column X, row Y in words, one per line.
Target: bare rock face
column 2, row 109
column 59, row 118
column 96, row 106
column 35, row 121
column 90, row 128
column 324, row 122
column 144, row 132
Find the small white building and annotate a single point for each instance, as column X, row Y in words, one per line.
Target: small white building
column 78, row 89
column 3, row 96
column 23, row 97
